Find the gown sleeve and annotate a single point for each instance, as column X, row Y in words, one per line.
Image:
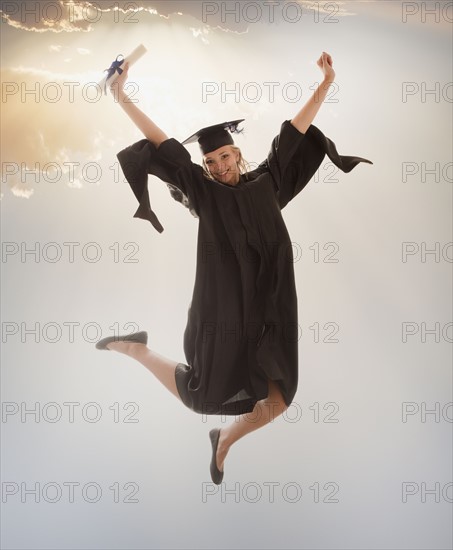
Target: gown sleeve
column 294, row 158
column 170, row 162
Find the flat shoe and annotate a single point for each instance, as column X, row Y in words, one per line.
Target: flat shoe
column 216, row 474
column 138, row 337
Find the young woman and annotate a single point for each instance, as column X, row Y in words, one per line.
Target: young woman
column 241, row 338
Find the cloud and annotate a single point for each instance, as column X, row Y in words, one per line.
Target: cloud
column 65, row 16
column 48, row 131
column 200, row 33
column 57, row 16
column 228, row 15
column 22, row 192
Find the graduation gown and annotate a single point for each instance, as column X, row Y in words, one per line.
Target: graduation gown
column 242, row 325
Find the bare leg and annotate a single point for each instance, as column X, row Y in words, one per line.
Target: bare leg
column 265, row 411
column 162, row 368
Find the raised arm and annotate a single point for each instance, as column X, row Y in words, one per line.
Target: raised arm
column 151, row 132
column 306, row 115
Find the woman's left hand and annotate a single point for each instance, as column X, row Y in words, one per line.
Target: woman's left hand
column 325, row 64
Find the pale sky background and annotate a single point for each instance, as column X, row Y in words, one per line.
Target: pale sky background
column 370, row 373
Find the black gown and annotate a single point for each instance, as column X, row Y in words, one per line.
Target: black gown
column 242, row 325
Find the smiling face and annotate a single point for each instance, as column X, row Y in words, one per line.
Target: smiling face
column 222, row 164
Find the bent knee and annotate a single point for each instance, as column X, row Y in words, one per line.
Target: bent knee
column 275, row 394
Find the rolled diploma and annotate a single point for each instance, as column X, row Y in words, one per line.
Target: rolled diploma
column 131, row 59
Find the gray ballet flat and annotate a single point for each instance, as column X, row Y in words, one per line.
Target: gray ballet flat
column 138, row 337
column 216, row 474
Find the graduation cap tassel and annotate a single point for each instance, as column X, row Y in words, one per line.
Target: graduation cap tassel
column 234, row 129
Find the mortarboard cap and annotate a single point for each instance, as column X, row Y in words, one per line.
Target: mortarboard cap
column 213, row 137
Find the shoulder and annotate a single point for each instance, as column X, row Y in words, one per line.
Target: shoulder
column 263, row 168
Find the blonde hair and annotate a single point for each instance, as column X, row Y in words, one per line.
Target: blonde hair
column 242, row 164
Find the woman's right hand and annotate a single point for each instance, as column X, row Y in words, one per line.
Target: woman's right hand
column 117, row 86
